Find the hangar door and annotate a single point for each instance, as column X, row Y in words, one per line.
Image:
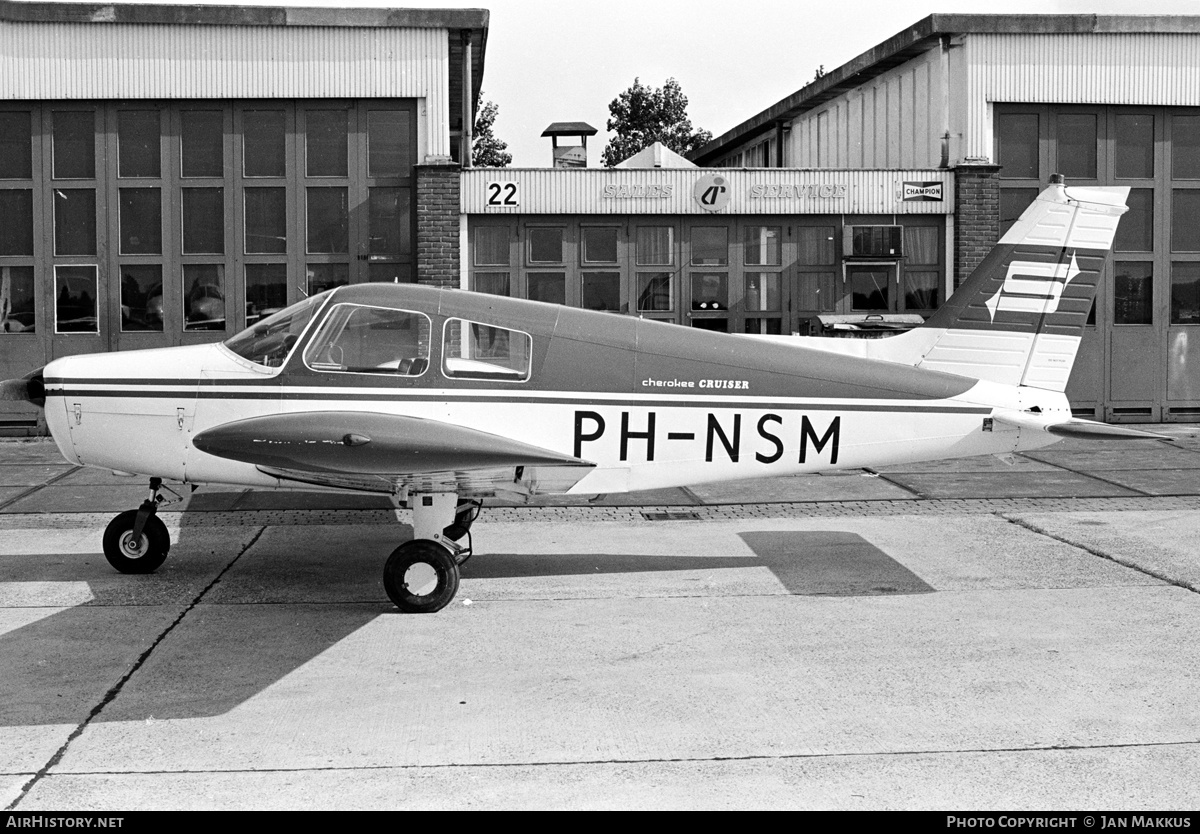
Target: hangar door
column 146, row 224
column 1139, row 357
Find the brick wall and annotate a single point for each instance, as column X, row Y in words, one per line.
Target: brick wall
column 437, row 224
column 976, row 216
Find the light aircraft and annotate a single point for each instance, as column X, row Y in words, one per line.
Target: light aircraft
column 444, row 398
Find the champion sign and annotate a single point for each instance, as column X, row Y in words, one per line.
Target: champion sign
column 922, row 192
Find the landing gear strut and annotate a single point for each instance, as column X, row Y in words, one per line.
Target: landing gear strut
column 421, row 576
column 137, row 541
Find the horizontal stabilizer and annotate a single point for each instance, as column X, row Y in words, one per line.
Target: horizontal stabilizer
column 1072, row 427
column 364, row 443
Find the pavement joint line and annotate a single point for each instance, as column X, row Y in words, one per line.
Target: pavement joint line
column 750, row 757
column 1102, row 480
column 116, row 688
column 883, row 476
column 38, row 487
column 1095, row 551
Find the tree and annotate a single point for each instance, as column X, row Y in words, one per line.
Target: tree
column 643, row 115
column 488, row 151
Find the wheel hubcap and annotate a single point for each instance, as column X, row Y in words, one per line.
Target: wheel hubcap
column 421, row 579
column 131, row 548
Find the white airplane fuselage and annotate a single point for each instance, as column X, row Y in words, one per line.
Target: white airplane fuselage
column 140, row 415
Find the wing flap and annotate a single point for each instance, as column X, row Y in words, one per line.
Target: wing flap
column 357, row 444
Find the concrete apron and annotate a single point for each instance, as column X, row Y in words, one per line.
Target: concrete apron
column 908, row 662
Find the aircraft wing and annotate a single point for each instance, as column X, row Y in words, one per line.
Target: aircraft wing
column 386, row 452
column 1072, row 427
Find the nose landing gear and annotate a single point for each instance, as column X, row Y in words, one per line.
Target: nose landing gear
column 137, row 541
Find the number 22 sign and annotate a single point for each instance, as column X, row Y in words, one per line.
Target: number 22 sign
column 503, row 194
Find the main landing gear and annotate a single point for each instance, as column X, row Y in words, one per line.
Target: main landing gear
column 137, row 541
column 421, row 576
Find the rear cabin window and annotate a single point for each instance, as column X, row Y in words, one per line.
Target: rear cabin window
column 371, row 340
column 471, row 350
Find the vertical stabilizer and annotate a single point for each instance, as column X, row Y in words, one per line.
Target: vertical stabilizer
column 1020, row 316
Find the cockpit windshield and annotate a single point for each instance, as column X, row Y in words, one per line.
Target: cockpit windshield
column 269, row 341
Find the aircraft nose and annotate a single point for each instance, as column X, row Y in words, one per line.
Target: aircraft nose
column 30, row 388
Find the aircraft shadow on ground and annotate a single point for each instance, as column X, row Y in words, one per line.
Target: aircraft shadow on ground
column 222, row 655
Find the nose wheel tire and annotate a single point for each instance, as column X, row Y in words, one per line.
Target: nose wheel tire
column 143, row 554
column 420, row 577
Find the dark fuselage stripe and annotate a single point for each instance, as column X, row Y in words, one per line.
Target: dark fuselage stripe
column 417, row 398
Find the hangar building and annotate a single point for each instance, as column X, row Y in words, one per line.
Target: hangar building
column 169, row 174
column 235, row 159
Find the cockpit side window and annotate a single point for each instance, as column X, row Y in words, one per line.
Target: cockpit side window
column 471, row 350
column 370, row 340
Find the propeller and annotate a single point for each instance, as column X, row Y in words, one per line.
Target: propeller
column 30, row 388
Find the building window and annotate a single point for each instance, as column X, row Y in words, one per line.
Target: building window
column 1185, row 293
column 1018, row 145
column 761, row 245
column 203, row 297
column 1133, row 146
column 710, row 291
column 655, row 245
column 546, row 245
column 550, row 287
column 1185, row 147
column 870, row 286
column 1135, row 232
column 325, row 142
column 74, row 221
column 492, row 283
column 656, row 292
column 202, row 143
column 266, row 290
column 75, row 294
column 16, row 222
column 141, row 221
column 141, row 298
column 710, row 245
column 323, row 277
column 203, row 221
column 266, row 220
column 16, row 146
column 328, row 221
column 138, row 150
column 922, row 255
column 602, row 291
column 1133, row 292
column 264, row 143
column 761, row 298
column 491, row 246
column 74, row 145
column 599, row 245
column 1185, row 220
column 17, row 308
column 387, row 143
column 1076, row 145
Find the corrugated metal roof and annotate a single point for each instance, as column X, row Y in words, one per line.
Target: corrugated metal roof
column 920, row 37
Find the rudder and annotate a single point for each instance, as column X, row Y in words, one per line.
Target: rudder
column 1019, row 318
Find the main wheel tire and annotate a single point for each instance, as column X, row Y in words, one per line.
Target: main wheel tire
column 420, row 577
column 143, row 555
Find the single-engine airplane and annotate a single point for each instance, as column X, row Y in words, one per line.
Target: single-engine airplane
column 442, row 398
